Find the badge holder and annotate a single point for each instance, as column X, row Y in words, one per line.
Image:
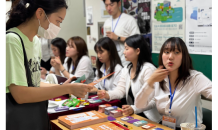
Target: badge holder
column 169, row 121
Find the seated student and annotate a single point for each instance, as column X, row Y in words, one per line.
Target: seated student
column 133, row 77
column 77, row 63
column 108, row 61
column 58, row 46
column 175, row 85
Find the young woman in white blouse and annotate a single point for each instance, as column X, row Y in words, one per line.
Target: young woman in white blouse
column 108, row 61
column 77, row 63
column 58, row 46
column 133, row 77
column 175, row 80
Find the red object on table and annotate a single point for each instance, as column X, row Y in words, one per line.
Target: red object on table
column 53, row 116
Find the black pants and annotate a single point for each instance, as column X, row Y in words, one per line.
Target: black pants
column 46, row 64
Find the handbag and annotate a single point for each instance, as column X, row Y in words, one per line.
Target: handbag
column 27, row 116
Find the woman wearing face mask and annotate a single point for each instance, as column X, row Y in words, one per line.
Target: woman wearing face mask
column 77, row 62
column 26, row 96
column 175, row 88
column 108, row 61
column 133, row 77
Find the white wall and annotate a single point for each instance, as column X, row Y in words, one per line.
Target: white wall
column 8, row 7
column 74, row 23
column 96, row 5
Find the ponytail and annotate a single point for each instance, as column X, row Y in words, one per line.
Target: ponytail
column 25, row 9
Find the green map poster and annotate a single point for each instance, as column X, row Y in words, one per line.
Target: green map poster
column 168, row 20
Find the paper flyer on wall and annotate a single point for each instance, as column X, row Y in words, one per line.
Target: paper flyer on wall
column 168, row 20
column 199, row 26
column 89, row 15
column 104, row 13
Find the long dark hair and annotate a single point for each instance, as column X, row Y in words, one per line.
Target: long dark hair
column 19, row 13
column 107, row 44
column 81, row 48
column 61, row 44
column 186, row 65
column 138, row 41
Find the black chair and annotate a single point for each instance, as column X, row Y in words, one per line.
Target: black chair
column 207, row 118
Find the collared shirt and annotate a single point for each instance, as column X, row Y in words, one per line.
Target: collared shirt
column 84, row 67
column 185, row 99
column 124, row 84
column 111, row 83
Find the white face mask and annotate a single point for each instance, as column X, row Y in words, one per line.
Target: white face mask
column 51, row 32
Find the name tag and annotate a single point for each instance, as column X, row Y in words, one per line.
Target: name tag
column 169, row 122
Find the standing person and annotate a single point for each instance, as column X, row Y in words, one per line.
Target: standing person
column 27, row 97
column 121, row 26
column 46, row 53
column 133, row 77
column 175, row 88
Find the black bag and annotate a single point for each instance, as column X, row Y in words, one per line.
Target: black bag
column 27, row 116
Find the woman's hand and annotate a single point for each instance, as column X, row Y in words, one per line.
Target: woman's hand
column 53, row 63
column 102, row 94
column 80, row 90
column 127, row 110
column 158, row 75
column 57, row 63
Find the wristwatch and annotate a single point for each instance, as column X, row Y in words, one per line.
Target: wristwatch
column 118, row 38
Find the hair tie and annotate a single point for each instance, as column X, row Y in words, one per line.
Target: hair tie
column 27, row 5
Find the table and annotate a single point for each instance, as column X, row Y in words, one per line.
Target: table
column 53, row 116
column 58, row 126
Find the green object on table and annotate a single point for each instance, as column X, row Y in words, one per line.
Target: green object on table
column 68, row 103
column 75, row 102
column 80, row 79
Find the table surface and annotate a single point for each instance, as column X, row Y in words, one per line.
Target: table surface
column 119, row 119
column 90, row 107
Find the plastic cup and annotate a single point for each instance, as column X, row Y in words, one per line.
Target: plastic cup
column 107, row 29
column 191, row 126
column 86, row 97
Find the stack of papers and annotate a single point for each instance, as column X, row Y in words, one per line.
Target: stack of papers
column 82, row 119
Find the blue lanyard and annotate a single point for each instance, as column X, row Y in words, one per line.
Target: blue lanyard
column 104, row 75
column 116, row 23
column 73, row 68
column 171, row 95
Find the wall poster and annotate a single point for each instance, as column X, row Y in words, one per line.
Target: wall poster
column 168, row 20
column 199, row 26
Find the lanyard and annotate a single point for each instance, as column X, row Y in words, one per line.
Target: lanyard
column 104, row 75
column 116, row 23
column 171, row 96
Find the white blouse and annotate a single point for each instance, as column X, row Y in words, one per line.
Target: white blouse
column 123, row 86
column 84, row 67
column 184, row 101
column 108, row 84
